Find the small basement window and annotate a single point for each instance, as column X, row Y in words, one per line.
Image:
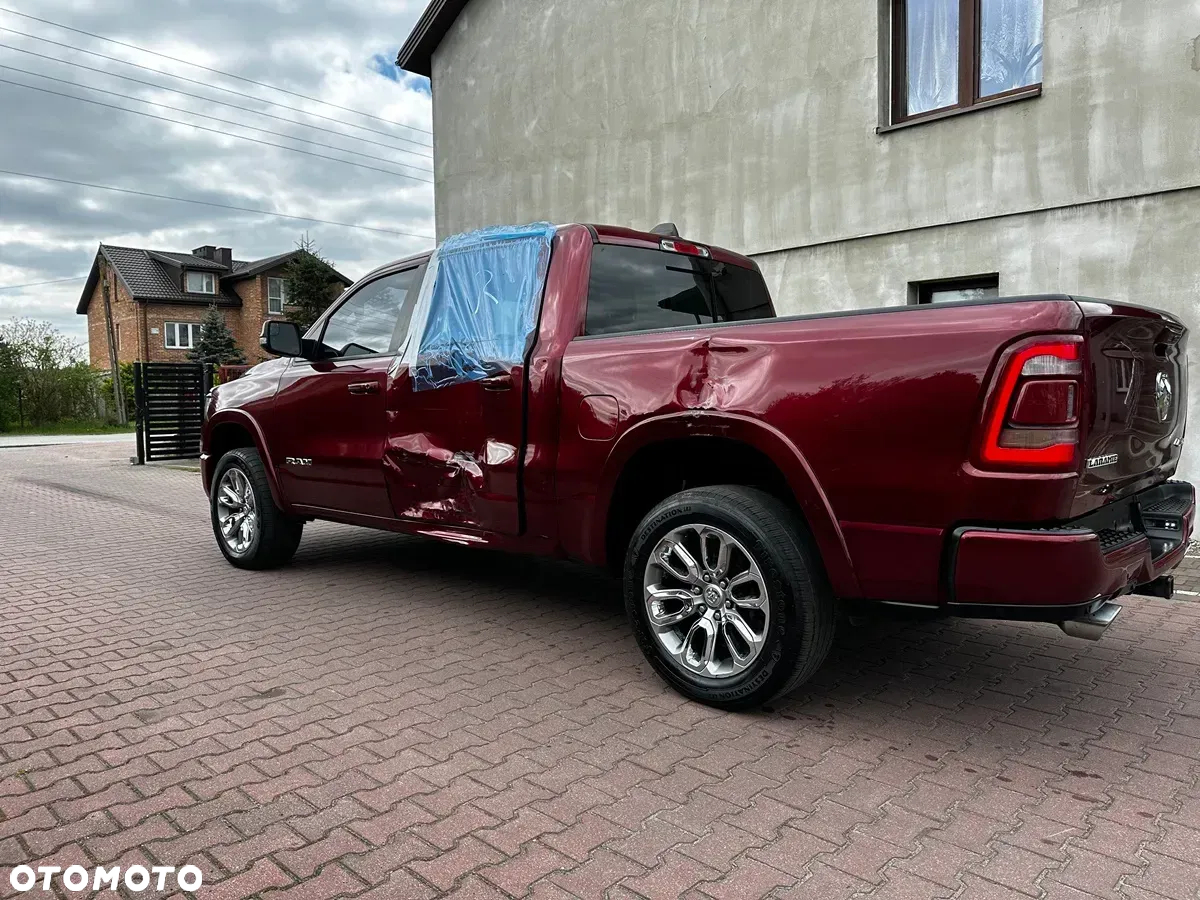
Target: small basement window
column 955, row 290
column 201, row 283
column 180, row 335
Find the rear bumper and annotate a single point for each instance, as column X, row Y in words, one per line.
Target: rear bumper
column 1050, row 574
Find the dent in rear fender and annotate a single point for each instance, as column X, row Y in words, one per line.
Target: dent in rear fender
column 757, row 434
column 239, row 417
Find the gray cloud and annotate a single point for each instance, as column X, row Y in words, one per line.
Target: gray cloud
column 330, row 51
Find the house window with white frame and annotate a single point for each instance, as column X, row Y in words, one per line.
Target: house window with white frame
column 200, row 283
column 276, row 296
column 180, row 335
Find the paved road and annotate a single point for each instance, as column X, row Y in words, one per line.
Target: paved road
column 392, row 719
column 9, row 441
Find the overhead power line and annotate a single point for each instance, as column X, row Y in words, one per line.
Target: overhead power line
column 17, row 287
column 190, row 112
column 186, row 62
column 255, row 112
column 261, row 212
column 239, row 137
column 224, row 90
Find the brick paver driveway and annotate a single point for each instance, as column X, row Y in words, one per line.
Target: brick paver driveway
column 391, row 718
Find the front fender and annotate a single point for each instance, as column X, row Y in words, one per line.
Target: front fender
column 769, row 441
column 246, row 422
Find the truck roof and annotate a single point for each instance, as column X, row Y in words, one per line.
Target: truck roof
column 604, row 234
column 616, row 234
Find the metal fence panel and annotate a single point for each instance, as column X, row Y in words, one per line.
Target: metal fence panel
column 170, row 409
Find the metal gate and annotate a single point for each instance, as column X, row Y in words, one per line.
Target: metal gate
column 170, row 408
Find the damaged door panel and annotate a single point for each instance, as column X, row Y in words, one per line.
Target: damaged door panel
column 451, row 456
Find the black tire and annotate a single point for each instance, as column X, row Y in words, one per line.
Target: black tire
column 276, row 535
column 800, row 628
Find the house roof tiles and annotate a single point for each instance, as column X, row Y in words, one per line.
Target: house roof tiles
column 152, row 276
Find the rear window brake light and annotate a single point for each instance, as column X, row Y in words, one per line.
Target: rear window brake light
column 685, row 247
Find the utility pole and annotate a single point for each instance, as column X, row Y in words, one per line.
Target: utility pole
column 113, row 363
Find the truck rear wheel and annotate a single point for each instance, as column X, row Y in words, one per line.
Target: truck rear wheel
column 251, row 530
column 727, row 597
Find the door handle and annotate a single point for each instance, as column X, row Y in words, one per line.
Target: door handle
column 498, row 383
column 364, row 387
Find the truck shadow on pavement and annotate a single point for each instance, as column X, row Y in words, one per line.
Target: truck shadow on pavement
column 972, row 671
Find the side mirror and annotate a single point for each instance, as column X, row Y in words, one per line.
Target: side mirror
column 282, row 338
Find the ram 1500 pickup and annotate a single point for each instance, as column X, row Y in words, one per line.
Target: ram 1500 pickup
column 632, row 400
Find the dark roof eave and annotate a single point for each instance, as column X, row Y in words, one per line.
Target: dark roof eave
column 417, row 53
column 85, row 299
column 271, row 262
column 209, row 300
column 89, row 287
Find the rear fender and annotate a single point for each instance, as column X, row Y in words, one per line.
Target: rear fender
column 762, row 437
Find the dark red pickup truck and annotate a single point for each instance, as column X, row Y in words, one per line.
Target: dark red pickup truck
column 751, row 476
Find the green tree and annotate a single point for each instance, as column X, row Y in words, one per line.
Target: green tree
column 9, row 375
column 106, row 387
column 216, row 345
column 47, row 369
column 310, row 281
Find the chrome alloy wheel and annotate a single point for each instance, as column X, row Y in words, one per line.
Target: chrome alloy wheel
column 236, row 511
column 706, row 601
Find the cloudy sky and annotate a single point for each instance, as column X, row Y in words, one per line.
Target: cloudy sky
column 338, row 51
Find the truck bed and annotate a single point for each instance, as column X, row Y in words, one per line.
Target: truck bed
column 881, row 408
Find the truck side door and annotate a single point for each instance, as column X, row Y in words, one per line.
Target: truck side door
column 456, row 447
column 453, row 454
column 331, row 412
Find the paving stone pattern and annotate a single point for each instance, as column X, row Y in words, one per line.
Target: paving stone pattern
column 391, row 718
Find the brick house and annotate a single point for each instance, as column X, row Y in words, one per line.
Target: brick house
column 158, row 299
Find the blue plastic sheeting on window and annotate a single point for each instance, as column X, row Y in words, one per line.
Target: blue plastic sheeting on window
column 483, row 307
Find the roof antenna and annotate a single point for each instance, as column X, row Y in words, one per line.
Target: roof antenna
column 666, row 229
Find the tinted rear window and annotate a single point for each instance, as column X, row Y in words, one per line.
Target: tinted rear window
column 635, row 289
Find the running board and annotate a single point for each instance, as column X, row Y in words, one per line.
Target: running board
column 1090, row 627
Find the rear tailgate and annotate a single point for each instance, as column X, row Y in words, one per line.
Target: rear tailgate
column 1137, row 362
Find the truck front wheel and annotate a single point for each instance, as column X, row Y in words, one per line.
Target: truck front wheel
column 727, row 597
column 251, row 530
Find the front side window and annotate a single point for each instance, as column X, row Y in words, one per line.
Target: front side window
column 637, row 289
column 276, row 296
column 180, row 335
column 201, row 283
column 374, row 320
column 955, row 54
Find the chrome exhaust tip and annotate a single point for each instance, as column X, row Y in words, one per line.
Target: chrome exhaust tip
column 1091, row 626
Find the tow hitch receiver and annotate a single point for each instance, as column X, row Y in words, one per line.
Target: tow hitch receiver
column 1092, row 625
column 1164, row 587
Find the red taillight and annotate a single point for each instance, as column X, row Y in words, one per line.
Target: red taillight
column 674, row 245
column 1033, row 418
